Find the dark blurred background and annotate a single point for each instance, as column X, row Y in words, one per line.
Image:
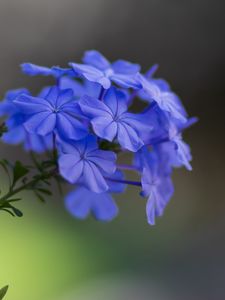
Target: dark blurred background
column 49, row 255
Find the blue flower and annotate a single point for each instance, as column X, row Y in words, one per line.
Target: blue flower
column 84, row 163
column 34, row 70
column 16, row 133
column 97, row 68
column 54, row 112
column 159, row 190
column 156, row 182
column 81, row 201
column 111, row 120
column 167, row 101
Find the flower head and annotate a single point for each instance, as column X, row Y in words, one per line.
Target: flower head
column 88, row 116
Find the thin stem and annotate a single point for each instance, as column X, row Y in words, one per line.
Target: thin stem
column 127, row 167
column 101, row 94
column 26, row 186
column 130, row 182
column 54, row 151
column 132, row 96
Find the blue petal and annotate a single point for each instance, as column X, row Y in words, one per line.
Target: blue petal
column 64, row 97
column 116, row 187
column 105, row 128
column 126, row 81
column 96, row 59
column 91, row 73
column 105, row 160
column 77, row 87
column 92, row 89
column 59, row 72
column 44, row 92
column 128, row 138
column 34, row 123
column 78, row 203
column 150, row 208
column 31, row 105
column 104, row 207
column 14, row 136
column 94, row 108
column 69, row 127
column 52, row 96
column 125, row 67
column 183, row 152
column 71, row 167
column 116, row 100
column 47, row 126
column 33, row 70
column 93, row 179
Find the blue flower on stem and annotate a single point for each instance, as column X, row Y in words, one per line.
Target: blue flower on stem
column 85, row 163
column 85, row 117
column 97, row 68
column 111, row 120
column 55, row 112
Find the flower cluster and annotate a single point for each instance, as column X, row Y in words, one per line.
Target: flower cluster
column 89, row 117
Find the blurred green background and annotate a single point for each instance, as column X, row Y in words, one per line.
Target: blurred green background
column 49, row 255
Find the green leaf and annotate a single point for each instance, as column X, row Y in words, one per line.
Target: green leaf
column 3, row 129
column 8, row 211
column 17, row 212
column 44, row 191
column 14, row 200
column 19, row 171
column 5, row 164
column 40, row 197
column 3, row 292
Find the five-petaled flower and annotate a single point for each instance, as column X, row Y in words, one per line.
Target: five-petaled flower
column 111, row 120
column 84, row 162
column 55, row 112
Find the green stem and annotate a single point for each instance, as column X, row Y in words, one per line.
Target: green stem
column 25, row 186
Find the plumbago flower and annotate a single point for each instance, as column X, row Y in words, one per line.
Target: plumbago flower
column 56, row 111
column 83, row 124
column 82, row 161
column 111, row 120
